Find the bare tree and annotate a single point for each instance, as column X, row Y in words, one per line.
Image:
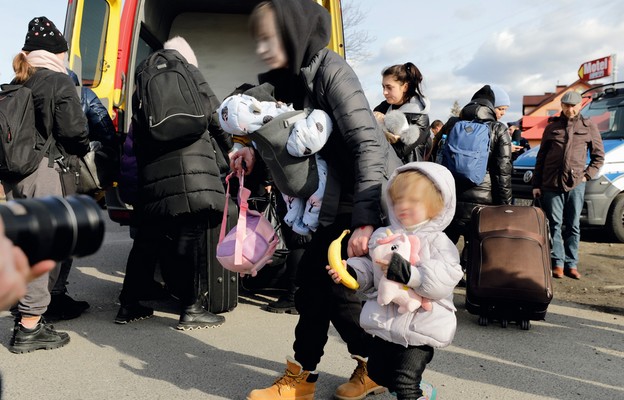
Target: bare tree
column 456, row 109
column 356, row 39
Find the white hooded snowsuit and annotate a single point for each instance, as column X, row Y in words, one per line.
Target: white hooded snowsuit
column 435, row 276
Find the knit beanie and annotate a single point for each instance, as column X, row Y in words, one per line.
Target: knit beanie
column 501, row 98
column 43, row 35
column 178, row 43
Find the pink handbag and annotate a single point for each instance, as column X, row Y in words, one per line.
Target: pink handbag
column 248, row 246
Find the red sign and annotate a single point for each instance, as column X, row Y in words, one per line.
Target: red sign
column 595, row 69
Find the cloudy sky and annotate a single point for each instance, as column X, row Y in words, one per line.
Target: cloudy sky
column 525, row 46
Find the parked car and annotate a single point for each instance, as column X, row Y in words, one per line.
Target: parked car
column 604, row 194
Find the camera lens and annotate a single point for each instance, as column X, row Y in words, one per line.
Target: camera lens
column 54, row 228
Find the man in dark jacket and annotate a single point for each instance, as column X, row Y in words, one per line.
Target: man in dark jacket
column 496, row 187
column 561, row 171
column 180, row 195
column 291, row 38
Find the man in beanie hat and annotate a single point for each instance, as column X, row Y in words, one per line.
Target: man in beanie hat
column 496, row 187
column 560, row 176
column 40, row 67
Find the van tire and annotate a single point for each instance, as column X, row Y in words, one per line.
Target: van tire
column 616, row 218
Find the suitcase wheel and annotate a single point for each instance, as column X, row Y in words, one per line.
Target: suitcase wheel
column 483, row 320
column 504, row 323
column 525, row 325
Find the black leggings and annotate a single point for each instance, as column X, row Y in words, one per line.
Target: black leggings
column 397, row 367
column 179, row 246
column 320, row 301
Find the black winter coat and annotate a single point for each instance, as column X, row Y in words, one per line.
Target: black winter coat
column 496, row 188
column 58, row 112
column 182, row 178
column 100, row 124
column 358, row 156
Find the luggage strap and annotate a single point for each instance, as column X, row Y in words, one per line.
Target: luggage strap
column 243, row 206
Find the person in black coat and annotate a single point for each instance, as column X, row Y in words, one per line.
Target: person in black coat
column 40, row 67
column 291, row 38
column 496, row 187
column 180, row 195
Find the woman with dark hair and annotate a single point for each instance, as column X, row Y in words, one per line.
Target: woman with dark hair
column 404, row 114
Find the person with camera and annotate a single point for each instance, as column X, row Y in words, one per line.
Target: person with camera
column 40, row 67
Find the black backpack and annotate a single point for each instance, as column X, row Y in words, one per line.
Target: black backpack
column 169, row 100
column 18, row 135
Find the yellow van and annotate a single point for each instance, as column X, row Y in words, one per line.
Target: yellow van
column 109, row 38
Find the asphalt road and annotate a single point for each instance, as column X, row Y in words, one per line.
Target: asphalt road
column 576, row 353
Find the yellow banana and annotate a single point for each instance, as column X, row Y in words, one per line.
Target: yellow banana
column 334, row 257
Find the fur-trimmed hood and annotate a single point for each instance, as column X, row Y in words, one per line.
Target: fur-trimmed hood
column 416, row 105
column 181, row 45
column 442, row 179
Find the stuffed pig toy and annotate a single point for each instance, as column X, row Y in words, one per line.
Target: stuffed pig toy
column 407, row 246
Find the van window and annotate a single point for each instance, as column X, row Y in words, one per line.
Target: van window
column 93, row 40
column 608, row 115
column 148, row 43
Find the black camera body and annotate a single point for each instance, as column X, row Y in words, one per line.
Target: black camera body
column 54, row 227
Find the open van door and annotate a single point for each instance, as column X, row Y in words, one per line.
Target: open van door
column 92, row 32
column 336, row 41
column 217, row 30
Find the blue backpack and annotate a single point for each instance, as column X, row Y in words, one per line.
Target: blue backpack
column 467, row 150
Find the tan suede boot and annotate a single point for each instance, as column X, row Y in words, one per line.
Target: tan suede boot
column 360, row 385
column 295, row 384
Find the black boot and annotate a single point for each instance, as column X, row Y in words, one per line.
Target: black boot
column 284, row 304
column 41, row 337
column 64, row 307
column 197, row 317
column 132, row 312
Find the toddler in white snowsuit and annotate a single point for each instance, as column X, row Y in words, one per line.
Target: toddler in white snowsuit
column 243, row 114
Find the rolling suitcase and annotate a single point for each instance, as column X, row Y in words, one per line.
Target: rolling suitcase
column 219, row 286
column 509, row 272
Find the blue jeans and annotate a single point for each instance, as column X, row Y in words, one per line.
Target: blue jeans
column 563, row 210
